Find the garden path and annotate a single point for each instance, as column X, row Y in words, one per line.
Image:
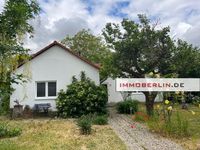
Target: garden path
column 136, row 135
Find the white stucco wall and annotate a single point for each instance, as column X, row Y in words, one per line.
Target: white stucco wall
column 115, row 96
column 55, row 64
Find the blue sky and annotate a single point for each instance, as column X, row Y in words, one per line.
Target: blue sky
column 61, row 17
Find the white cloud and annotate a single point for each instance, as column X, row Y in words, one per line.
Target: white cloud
column 1, row 5
column 62, row 17
column 44, row 35
column 192, row 35
column 181, row 15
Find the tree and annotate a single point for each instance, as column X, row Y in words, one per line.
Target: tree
column 140, row 48
column 92, row 48
column 14, row 24
column 186, row 60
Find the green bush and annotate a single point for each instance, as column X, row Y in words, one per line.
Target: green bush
column 8, row 131
column 127, row 107
column 4, row 103
column 81, row 98
column 85, row 124
column 196, row 100
column 100, row 120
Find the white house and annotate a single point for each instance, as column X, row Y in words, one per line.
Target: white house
column 48, row 71
column 115, row 96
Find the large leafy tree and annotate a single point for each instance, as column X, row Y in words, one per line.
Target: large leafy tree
column 14, row 24
column 140, row 49
column 92, row 48
column 186, row 60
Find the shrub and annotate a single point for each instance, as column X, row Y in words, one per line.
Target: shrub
column 127, row 107
column 85, row 124
column 14, row 132
column 8, row 131
column 196, row 100
column 100, row 120
column 81, row 98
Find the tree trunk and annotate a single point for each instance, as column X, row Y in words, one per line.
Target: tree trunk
column 150, row 98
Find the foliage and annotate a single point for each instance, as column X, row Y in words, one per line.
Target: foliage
column 127, row 106
column 186, row 60
column 85, row 124
column 196, row 100
column 140, row 49
column 7, row 131
column 5, row 100
column 14, row 23
column 81, row 98
column 87, row 45
column 92, row 48
column 100, row 120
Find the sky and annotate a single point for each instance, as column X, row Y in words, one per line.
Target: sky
column 59, row 18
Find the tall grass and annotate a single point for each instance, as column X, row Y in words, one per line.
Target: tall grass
column 178, row 127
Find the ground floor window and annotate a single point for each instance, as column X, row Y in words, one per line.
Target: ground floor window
column 46, row 89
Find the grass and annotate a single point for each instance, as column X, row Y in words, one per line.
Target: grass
column 60, row 134
column 193, row 140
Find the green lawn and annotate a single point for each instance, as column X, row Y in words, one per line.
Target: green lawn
column 60, row 134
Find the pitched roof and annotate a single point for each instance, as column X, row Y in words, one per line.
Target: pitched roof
column 55, row 43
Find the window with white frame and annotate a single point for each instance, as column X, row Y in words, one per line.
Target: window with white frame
column 46, row 89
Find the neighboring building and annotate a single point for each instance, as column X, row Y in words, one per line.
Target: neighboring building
column 115, row 96
column 48, row 71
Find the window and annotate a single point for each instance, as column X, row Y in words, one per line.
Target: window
column 51, row 88
column 41, row 89
column 46, row 89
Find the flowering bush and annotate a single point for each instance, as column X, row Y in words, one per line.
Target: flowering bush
column 81, row 98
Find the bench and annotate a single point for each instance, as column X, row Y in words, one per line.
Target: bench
column 44, row 107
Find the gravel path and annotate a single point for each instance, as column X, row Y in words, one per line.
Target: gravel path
column 136, row 136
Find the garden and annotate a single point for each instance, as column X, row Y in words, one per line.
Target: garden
column 81, row 122
column 130, row 49
column 175, row 121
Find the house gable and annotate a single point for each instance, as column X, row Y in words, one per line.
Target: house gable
column 55, row 43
